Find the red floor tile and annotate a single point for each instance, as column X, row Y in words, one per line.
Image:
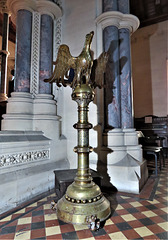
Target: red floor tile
column 111, row 228
column 86, row 233
column 105, row 237
column 37, row 233
column 135, row 224
column 126, row 205
column 131, row 234
column 155, row 228
column 152, row 237
column 57, row 236
column 48, row 211
column 108, row 229
column 51, row 223
column 28, row 214
column 15, row 216
column 7, row 236
column 13, row 223
column 157, row 219
column 67, row 228
column 122, row 212
column 38, row 219
column 139, row 215
column 117, row 219
column 24, row 227
column 159, row 212
column 142, row 209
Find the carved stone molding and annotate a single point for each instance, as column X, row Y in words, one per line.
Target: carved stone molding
column 49, row 8
column 118, row 19
column 59, row 3
column 16, row 5
column 35, row 54
column 57, row 36
column 41, row 6
column 17, row 158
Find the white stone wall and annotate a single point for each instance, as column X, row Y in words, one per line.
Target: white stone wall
column 78, row 20
column 149, row 68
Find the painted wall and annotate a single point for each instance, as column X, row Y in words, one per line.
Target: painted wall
column 149, row 70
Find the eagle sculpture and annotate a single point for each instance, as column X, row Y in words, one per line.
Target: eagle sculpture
column 83, row 68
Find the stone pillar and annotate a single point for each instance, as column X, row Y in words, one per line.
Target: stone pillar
column 46, row 49
column 23, row 106
column 125, row 165
column 20, row 106
column 112, row 83
column 23, row 51
column 4, row 52
column 125, row 70
column 45, row 110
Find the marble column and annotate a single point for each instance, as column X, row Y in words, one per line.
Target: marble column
column 123, row 6
column 125, row 70
column 4, row 53
column 109, row 5
column 112, row 83
column 46, row 43
column 23, row 51
column 124, row 164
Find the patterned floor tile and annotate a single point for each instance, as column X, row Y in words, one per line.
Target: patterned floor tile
column 117, row 235
column 133, row 217
column 24, row 220
column 53, row 230
column 143, row 231
column 22, row 235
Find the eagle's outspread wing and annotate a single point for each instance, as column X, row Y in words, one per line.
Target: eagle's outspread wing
column 82, row 68
column 98, row 70
column 62, row 64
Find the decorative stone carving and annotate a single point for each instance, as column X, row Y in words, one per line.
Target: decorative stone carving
column 35, row 52
column 118, row 19
column 49, row 8
column 15, row 5
column 59, row 3
column 56, row 44
column 57, row 36
column 16, row 158
column 42, row 6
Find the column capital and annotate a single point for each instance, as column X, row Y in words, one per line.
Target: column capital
column 41, row 6
column 16, row 5
column 49, row 8
column 119, row 20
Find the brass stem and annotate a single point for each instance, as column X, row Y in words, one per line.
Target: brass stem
column 83, row 149
column 83, row 197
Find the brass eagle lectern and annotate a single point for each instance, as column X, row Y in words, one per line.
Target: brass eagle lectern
column 83, row 198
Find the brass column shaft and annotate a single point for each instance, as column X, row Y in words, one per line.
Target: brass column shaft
column 83, row 172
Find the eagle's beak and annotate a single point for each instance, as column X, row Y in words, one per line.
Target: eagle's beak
column 92, row 33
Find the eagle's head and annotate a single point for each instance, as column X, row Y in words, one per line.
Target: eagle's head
column 89, row 37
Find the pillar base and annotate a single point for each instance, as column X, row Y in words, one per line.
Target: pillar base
column 81, row 202
column 128, row 174
column 19, row 112
column 121, row 161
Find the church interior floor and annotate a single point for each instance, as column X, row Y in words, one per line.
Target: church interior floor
column 142, row 216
